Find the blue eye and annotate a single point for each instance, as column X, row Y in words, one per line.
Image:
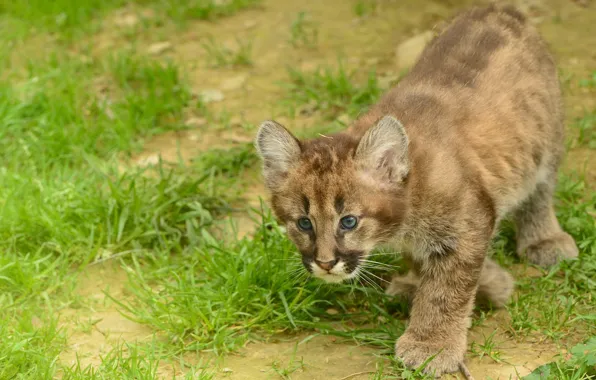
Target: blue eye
column 304, row 224
column 348, row 222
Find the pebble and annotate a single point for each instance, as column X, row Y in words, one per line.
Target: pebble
column 127, row 20
column 195, row 122
column 211, row 96
column 159, row 47
column 233, row 83
column 152, row 159
column 250, row 24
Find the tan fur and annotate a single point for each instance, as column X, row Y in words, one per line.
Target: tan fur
column 473, row 133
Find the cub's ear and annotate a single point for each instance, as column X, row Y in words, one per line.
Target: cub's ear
column 278, row 149
column 383, row 151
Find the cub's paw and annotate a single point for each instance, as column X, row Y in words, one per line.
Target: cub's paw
column 448, row 354
column 548, row 252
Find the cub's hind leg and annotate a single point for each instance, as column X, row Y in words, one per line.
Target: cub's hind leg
column 539, row 236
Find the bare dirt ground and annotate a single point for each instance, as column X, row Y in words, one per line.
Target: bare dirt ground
column 251, row 95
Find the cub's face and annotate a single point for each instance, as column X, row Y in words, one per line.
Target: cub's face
column 338, row 197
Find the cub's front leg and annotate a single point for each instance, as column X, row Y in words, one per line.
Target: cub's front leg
column 440, row 314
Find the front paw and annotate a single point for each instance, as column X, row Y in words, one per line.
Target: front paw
column 448, row 354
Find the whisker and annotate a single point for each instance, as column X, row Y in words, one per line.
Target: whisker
column 363, row 278
column 369, row 281
column 382, row 254
column 374, row 275
column 378, row 264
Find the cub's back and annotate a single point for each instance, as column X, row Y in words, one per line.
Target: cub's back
column 486, row 90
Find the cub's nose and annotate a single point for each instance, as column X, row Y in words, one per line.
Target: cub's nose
column 327, row 265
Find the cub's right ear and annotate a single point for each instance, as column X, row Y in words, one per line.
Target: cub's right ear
column 278, row 149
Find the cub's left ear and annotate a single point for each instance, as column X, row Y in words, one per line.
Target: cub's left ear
column 278, row 149
column 383, row 151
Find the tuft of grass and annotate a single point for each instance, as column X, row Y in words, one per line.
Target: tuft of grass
column 182, row 10
column 221, row 56
column 284, row 371
column 488, row 348
column 579, row 364
column 586, row 130
column 58, row 114
column 588, row 82
column 130, row 361
column 303, row 32
column 331, row 92
column 563, row 296
column 363, row 8
column 216, row 296
column 70, row 18
column 63, row 16
column 153, row 95
column 30, row 342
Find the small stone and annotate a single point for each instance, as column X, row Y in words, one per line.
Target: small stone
column 159, row 47
column 195, row 122
column 249, row 24
column 227, row 370
column 211, row 96
column 127, row 20
column 332, row 311
column 582, row 3
column 36, row 322
column 152, row 159
column 237, row 138
column 408, row 51
column 235, row 121
column 233, row 83
column 372, row 61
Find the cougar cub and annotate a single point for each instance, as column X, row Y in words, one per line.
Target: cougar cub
column 473, row 133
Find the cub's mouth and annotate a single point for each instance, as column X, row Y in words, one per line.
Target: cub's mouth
column 332, row 272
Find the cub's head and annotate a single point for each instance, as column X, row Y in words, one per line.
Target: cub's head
column 338, row 196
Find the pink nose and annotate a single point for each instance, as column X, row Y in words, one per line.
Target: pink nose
column 327, row 265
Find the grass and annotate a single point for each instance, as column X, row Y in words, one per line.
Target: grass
column 69, row 126
column 222, row 56
column 363, row 8
column 70, row 18
column 589, row 82
column 330, row 91
column 579, row 364
column 586, row 130
column 303, row 32
column 200, row 308
column 487, row 348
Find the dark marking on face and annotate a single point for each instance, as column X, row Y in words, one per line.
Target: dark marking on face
column 307, row 262
column 351, row 259
column 339, row 204
column 306, row 204
column 280, row 212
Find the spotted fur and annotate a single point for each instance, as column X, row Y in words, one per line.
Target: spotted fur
column 473, row 133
